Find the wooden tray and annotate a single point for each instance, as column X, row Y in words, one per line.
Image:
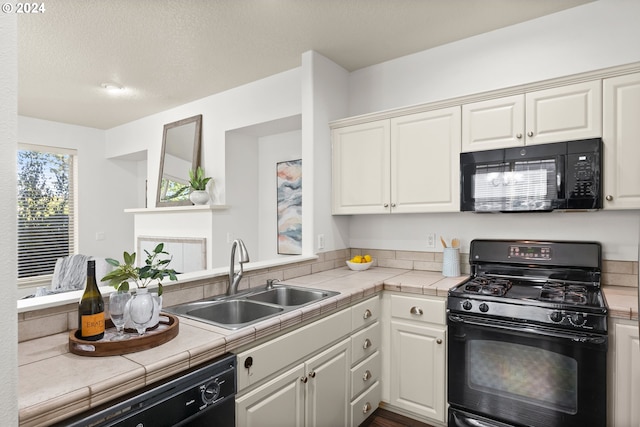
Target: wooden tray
column 166, row 330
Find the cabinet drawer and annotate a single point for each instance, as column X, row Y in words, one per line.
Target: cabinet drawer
column 365, row 342
column 364, row 406
column 365, row 313
column 420, row 309
column 278, row 353
column 365, row 373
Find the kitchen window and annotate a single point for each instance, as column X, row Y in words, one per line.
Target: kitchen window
column 47, row 214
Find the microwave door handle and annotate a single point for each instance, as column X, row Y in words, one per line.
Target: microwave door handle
column 560, row 174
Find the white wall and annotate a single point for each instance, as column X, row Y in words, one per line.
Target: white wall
column 227, row 152
column 8, row 261
column 324, row 98
column 597, row 35
column 104, row 188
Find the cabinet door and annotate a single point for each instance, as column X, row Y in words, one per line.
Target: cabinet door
column 491, row 124
column 327, row 397
column 361, row 171
column 418, row 369
column 627, row 376
column 621, row 138
column 425, row 162
column 564, row 113
column 277, row 403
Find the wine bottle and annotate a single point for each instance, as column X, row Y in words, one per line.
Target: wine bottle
column 91, row 308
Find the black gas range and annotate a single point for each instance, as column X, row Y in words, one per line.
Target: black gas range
column 528, row 336
column 548, row 283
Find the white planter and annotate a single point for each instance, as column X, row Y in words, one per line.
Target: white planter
column 199, row 197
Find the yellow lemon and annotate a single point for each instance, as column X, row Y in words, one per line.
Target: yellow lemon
column 367, row 258
column 357, row 259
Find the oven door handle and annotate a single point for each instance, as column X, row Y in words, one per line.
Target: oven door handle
column 527, row 328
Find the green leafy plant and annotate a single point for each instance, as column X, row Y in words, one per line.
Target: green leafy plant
column 154, row 269
column 197, row 180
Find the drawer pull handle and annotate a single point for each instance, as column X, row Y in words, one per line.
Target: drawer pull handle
column 312, row 374
column 367, row 344
column 304, row 379
column 366, row 408
column 416, row 310
column 367, row 314
column 366, row 376
column 439, row 341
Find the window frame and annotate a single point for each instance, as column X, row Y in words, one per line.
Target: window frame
column 45, row 279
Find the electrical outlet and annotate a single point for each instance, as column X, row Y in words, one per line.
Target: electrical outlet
column 431, row 240
column 229, row 237
column 320, row 241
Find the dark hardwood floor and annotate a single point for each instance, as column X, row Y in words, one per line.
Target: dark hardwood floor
column 383, row 418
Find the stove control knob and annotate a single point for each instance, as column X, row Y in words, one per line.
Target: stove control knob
column 210, row 391
column 467, row 305
column 556, row 316
column 484, row 307
column 578, row 319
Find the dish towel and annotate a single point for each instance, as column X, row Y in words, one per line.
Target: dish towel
column 70, row 273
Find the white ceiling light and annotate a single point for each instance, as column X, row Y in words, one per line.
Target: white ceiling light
column 112, row 87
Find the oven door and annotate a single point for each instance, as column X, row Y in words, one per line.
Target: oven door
column 524, row 374
column 514, row 179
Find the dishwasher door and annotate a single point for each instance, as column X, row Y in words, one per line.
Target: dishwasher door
column 203, row 396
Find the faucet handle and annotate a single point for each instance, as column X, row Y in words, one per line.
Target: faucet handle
column 270, row 283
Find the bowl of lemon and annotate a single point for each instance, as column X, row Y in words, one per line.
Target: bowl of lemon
column 360, row 262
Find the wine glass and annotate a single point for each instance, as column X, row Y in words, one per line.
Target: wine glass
column 117, row 309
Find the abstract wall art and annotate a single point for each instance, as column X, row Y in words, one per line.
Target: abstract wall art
column 289, row 183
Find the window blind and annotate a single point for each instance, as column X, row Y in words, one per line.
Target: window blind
column 46, row 209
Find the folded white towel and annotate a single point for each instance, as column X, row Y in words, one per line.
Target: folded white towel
column 70, row 273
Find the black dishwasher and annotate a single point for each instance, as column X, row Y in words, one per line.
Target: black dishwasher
column 203, row 396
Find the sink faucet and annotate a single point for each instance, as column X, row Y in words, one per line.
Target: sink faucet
column 243, row 255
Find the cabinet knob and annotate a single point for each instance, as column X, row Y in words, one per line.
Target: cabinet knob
column 366, row 376
column 609, row 198
column 312, row 374
column 367, row 344
column 519, row 136
column 304, row 380
column 438, row 341
column 393, row 205
column 530, row 134
column 386, row 205
column 366, row 408
column 367, row 314
column 416, row 310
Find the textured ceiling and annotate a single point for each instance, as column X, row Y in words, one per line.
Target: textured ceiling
column 169, row 52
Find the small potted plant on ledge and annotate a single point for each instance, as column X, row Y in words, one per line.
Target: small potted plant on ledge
column 198, row 183
column 143, row 309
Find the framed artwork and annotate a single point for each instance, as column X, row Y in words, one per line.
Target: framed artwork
column 289, row 184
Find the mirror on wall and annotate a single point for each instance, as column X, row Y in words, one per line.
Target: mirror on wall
column 180, row 153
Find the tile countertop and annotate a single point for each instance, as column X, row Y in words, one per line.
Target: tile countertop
column 55, row 384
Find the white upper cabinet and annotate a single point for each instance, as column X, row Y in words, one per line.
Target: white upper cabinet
column 551, row 115
column 425, row 162
column 404, row 164
column 621, row 139
column 361, row 168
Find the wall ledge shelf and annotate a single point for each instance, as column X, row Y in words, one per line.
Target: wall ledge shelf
column 194, row 208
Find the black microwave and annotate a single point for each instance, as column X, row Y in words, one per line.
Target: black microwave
column 545, row 177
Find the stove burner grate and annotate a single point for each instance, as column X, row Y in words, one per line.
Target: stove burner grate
column 488, row 286
column 560, row 292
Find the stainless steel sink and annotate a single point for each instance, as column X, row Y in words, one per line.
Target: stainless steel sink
column 243, row 309
column 288, row 296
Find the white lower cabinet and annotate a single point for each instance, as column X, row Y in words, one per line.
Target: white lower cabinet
column 418, row 356
column 302, row 379
column 625, row 374
column 279, row 402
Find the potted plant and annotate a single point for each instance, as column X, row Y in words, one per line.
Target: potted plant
column 143, row 309
column 198, row 183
